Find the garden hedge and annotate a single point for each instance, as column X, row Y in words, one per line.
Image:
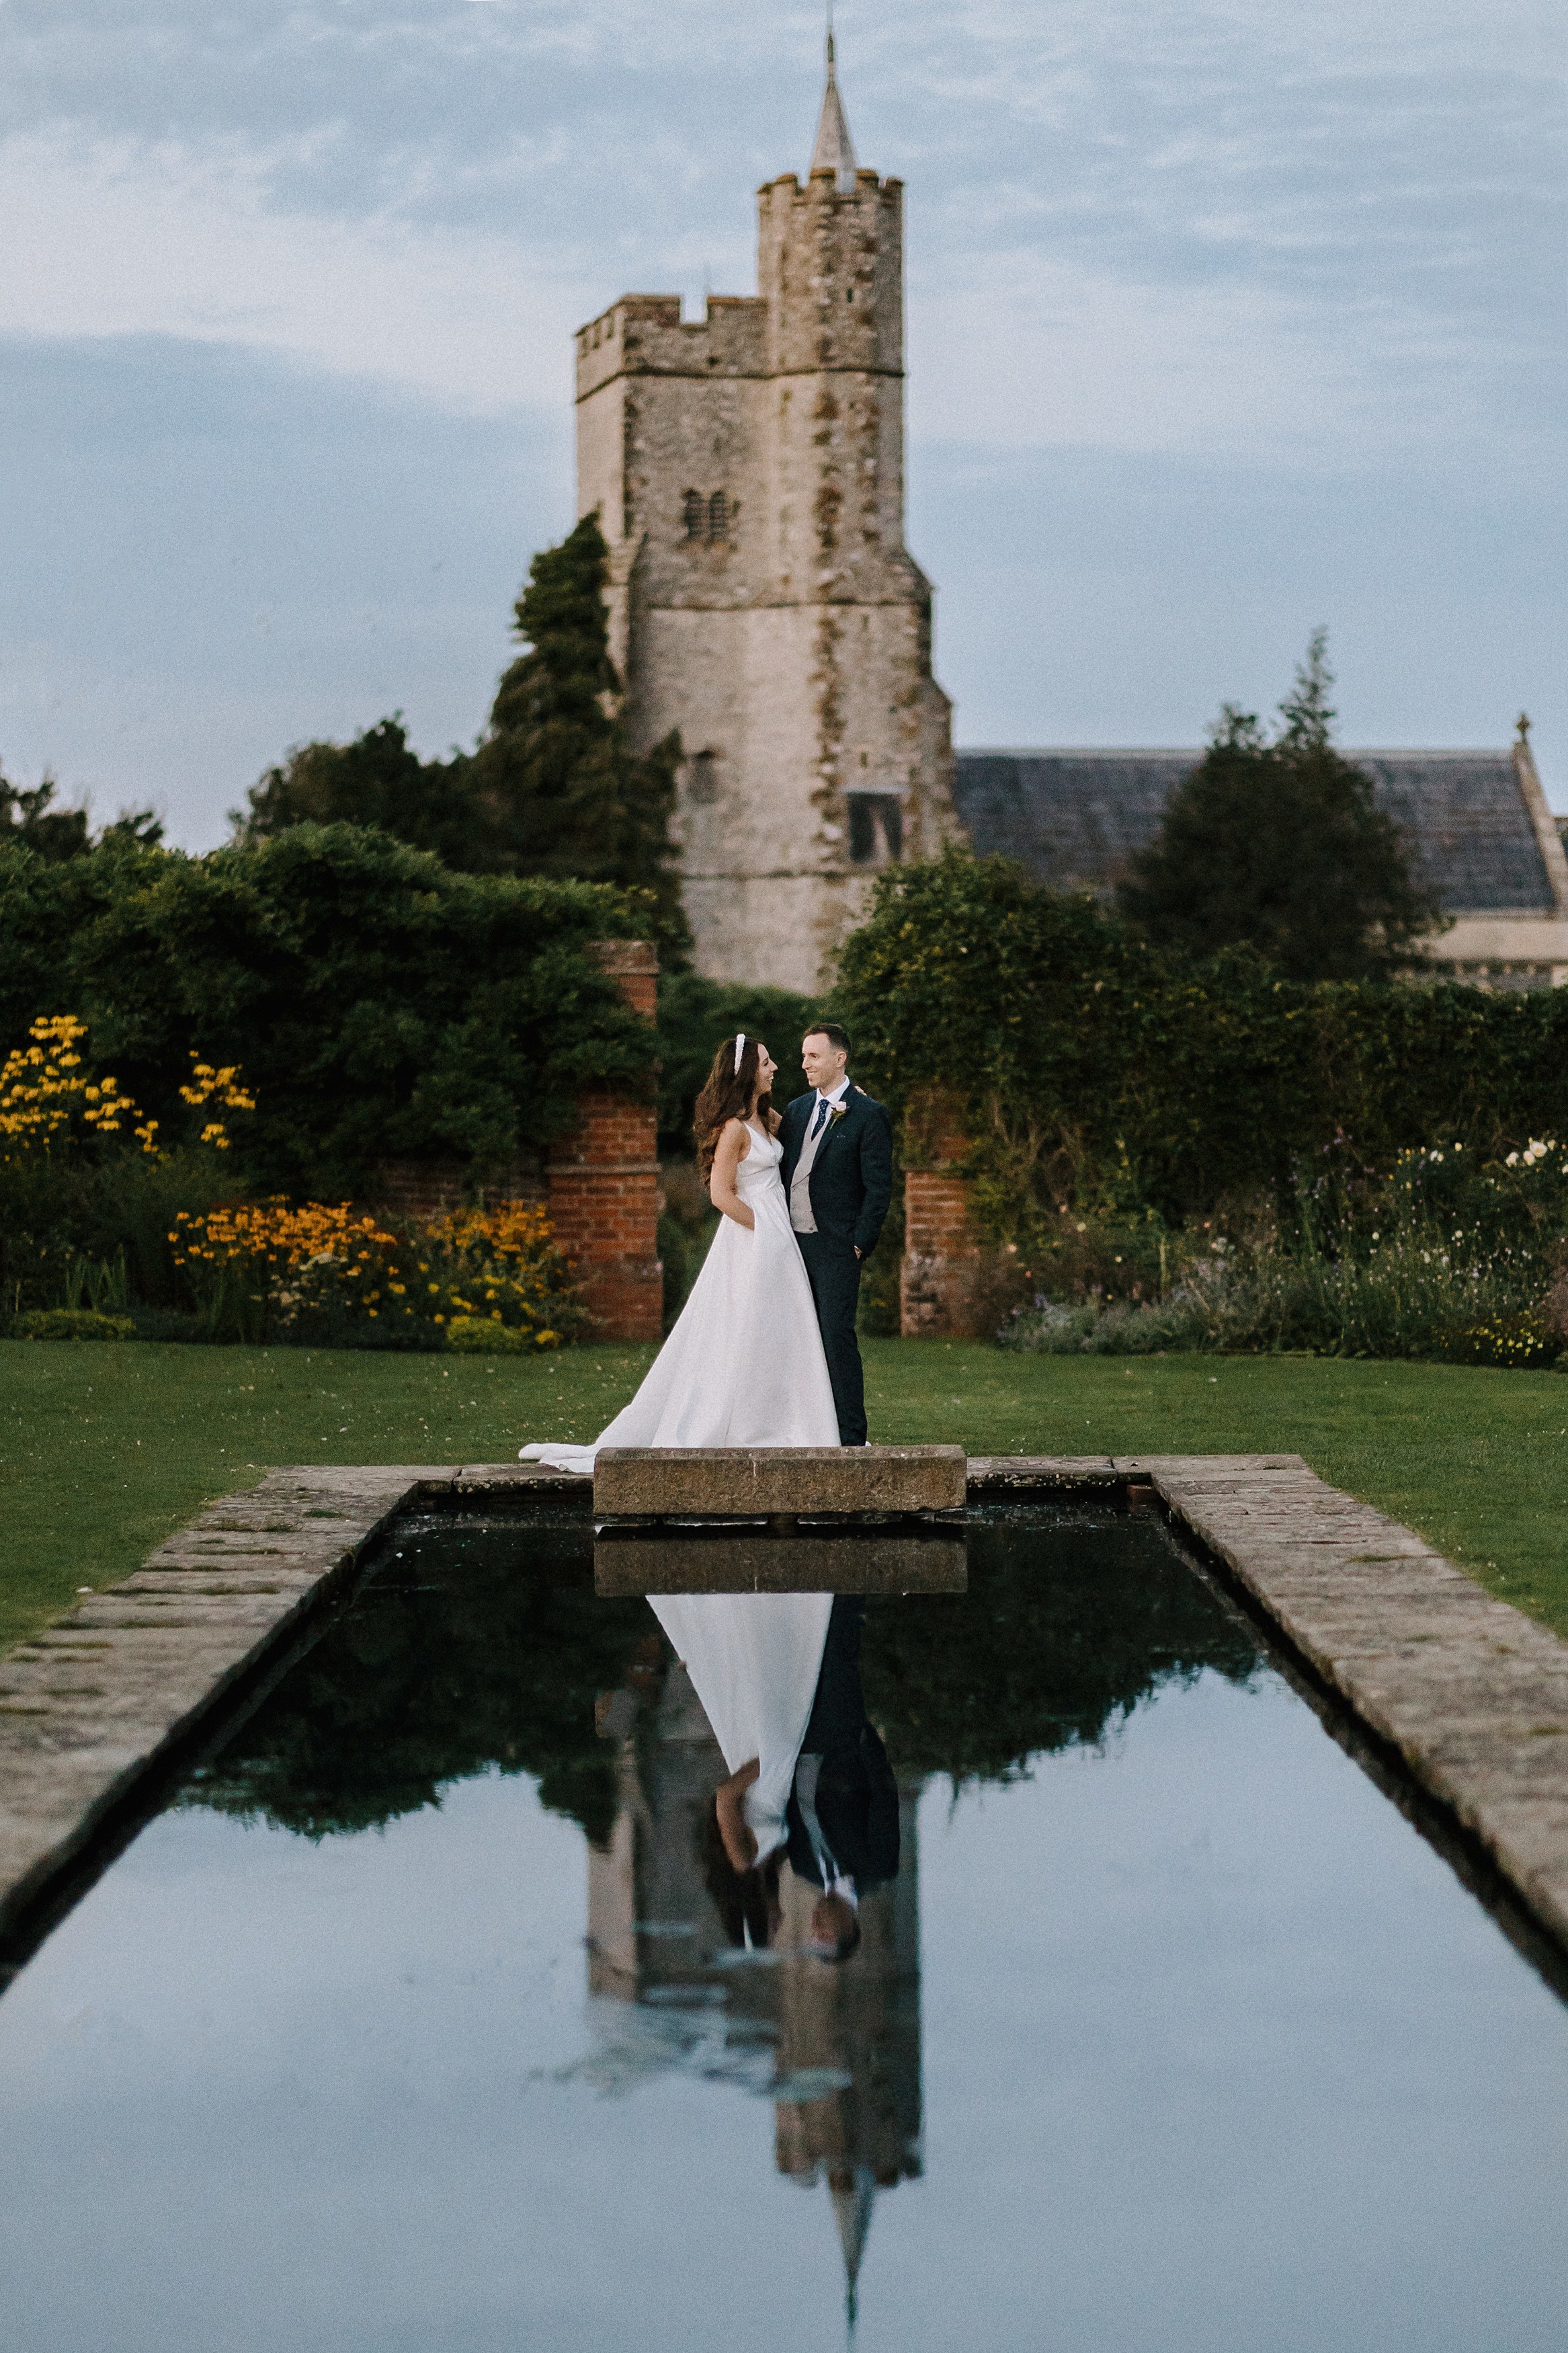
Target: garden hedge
column 1082, row 1061
column 377, row 1002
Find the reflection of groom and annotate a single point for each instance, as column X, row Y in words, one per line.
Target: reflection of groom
column 842, row 1817
column 837, row 1171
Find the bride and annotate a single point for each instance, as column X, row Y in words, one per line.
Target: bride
column 744, row 1364
column 743, row 1367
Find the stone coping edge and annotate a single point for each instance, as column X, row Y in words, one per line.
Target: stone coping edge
column 1469, row 1693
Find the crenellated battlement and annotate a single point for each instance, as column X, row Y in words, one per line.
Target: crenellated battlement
column 646, row 334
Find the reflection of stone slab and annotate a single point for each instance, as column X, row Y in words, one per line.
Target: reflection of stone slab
column 725, row 1481
column 763, row 1564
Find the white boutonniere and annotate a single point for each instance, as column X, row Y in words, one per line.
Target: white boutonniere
column 840, row 1110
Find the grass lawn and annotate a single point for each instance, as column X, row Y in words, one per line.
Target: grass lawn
column 105, row 1449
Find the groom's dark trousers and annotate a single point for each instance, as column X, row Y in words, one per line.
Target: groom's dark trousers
column 835, row 1274
column 850, row 1186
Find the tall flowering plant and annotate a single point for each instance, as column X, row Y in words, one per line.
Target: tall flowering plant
column 501, row 1266
column 49, row 1097
column 89, row 1177
column 330, row 1273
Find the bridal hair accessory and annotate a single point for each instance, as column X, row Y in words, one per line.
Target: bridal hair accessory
column 739, row 1048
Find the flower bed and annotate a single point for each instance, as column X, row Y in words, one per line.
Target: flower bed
column 327, row 1274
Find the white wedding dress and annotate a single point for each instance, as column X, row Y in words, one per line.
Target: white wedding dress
column 743, row 1367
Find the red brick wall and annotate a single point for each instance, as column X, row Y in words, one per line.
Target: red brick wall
column 603, row 1182
column 418, row 1192
column 941, row 1278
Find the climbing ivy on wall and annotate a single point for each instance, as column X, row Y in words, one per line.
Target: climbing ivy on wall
column 1081, row 1060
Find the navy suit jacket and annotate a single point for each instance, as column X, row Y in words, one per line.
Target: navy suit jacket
column 851, row 1180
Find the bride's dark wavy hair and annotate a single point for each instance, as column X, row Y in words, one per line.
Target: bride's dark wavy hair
column 745, row 1901
column 727, row 1095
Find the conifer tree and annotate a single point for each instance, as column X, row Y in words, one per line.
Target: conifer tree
column 378, row 779
column 553, row 789
column 1279, row 843
column 563, row 792
column 27, row 820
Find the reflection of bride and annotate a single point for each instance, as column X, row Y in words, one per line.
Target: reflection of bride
column 743, row 1367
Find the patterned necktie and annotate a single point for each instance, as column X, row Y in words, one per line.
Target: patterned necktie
column 822, row 1110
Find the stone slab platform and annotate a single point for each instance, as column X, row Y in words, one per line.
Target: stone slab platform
column 748, row 1482
column 768, row 1564
column 1471, row 1695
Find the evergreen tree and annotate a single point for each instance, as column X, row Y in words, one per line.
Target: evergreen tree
column 554, row 787
column 564, row 794
column 1280, row 843
column 29, row 821
column 377, row 780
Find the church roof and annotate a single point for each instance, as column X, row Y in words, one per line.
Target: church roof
column 834, row 150
column 1073, row 818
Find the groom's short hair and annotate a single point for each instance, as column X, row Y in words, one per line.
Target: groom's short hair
column 834, row 1031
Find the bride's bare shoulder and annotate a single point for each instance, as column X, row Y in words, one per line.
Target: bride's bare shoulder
column 737, row 1135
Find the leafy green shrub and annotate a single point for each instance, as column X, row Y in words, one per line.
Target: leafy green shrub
column 1408, row 1295
column 71, row 1324
column 81, row 1161
column 485, row 1335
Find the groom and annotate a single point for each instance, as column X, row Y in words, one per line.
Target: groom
column 837, row 1173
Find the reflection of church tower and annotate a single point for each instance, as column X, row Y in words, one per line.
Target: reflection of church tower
column 854, row 2031
column 646, row 1896
column 846, row 2040
column 748, row 472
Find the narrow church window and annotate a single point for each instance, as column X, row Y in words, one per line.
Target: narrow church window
column 719, row 516
column 876, row 829
column 695, row 508
column 702, row 781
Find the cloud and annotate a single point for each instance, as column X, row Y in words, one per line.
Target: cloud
column 127, row 238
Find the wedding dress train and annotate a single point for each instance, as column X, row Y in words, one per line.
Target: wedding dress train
column 743, row 1367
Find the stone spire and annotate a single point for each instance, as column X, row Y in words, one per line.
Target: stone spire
column 852, row 2212
column 834, row 150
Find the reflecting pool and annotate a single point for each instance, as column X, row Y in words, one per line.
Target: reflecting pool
column 414, row 2024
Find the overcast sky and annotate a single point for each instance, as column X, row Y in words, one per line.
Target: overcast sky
column 1225, row 320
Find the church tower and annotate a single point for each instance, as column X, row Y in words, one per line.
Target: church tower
column 747, row 468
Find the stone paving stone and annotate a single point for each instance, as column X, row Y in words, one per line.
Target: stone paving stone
column 990, row 1474
column 523, row 1478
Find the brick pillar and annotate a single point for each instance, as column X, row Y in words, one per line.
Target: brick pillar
column 603, row 1181
column 940, row 1279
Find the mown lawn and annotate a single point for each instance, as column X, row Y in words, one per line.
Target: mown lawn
column 103, row 1450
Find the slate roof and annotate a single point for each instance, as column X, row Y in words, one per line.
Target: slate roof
column 1073, row 818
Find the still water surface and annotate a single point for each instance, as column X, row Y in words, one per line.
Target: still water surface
column 410, row 2026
